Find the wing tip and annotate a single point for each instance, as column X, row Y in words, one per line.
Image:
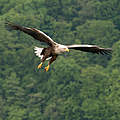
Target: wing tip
column 106, row 51
column 11, row 26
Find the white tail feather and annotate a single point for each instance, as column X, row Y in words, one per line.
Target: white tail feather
column 49, row 58
column 38, row 52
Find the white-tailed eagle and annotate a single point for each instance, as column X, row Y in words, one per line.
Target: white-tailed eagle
column 54, row 49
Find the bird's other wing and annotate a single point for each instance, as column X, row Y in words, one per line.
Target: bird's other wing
column 91, row 48
column 35, row 33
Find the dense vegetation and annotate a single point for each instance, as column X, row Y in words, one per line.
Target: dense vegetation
column 79, row 86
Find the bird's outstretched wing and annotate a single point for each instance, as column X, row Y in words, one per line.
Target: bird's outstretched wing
column 35, row 33
column 91, row 48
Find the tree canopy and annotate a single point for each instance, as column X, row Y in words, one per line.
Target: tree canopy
column 79, row 86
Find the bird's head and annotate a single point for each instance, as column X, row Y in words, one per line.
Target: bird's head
column 66, row 49
column 61, row 49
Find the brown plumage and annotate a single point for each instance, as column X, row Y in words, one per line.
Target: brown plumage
column 54, row 49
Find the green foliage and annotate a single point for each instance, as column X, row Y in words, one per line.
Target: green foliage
column 79, row 86
column 114, row 63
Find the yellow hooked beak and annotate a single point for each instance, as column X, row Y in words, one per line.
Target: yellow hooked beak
column 67, row 50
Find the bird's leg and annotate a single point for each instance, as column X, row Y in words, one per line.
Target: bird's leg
column 40, row 65
column 47, row 68
column 42, row 61
column 51, row 60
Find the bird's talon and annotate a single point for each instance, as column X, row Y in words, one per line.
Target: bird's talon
column 47, row 68
column 39, row 66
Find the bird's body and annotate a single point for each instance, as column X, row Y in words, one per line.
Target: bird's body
column 54, row 49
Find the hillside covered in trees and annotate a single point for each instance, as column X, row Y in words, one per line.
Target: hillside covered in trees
column 79, row 85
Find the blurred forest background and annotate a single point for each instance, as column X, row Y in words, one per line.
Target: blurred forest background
column 79, row 85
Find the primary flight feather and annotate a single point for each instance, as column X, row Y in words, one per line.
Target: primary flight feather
column 54, row 49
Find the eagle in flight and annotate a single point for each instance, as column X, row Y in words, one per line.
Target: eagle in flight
column 54, row 49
